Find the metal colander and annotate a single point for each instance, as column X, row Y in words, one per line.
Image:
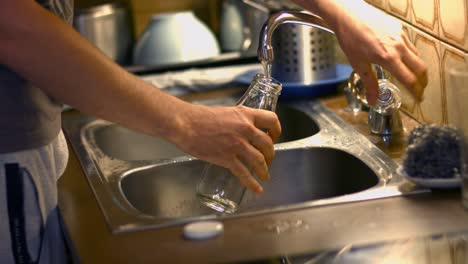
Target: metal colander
column 303, row 54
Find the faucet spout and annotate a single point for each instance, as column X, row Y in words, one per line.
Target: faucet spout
column 265, row 49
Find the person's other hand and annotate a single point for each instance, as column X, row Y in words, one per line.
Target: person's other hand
column 369, row 36
column 376, row 38
column 231, row 137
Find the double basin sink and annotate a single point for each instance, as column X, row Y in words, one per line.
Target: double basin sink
column 143, row 182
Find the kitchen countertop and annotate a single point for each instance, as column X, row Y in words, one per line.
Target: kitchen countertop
column 263, row 237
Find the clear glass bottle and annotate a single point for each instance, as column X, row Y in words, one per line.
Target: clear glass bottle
column 218, row 188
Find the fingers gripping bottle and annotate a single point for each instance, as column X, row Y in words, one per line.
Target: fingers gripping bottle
column 218, row 188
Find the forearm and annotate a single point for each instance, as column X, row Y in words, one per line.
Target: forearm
column 334, row 11
column 320, row 7
column 51, row 55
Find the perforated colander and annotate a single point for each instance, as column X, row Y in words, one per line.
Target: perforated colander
column 303, row 54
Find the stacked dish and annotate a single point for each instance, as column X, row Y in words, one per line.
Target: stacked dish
column 172, row 38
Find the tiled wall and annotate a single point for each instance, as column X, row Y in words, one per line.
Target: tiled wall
column 439, row 30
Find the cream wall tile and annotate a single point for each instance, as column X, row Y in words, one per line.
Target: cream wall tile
column 408, row 29
column 400, row 8
column 382, row 4
column 431, row 108
column 453, row 57
column 425, row 15
column 408, row 104
column 453, row 22
column 439, row 30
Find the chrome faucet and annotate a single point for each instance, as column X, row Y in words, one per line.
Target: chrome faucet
column 383, row 118
column 265, row 48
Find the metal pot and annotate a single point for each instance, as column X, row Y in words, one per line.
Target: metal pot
column 109, row 28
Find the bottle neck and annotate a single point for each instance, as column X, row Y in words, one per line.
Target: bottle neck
column 267, row 85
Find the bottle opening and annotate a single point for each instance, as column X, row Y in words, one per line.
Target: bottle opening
column 271, row 83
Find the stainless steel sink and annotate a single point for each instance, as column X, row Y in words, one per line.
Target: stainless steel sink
column 142, row 182
column 168, row 191
column 137, row 146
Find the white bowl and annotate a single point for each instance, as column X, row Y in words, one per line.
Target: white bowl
column 172, row 38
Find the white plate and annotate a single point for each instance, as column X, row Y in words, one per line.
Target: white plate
column 438, row 183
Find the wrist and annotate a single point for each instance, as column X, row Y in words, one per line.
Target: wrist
column 176, row 121
column 332, row 11
column 325, row 9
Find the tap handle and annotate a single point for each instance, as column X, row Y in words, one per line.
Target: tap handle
column 389, row 96
column 385, row 95
column 356, row 92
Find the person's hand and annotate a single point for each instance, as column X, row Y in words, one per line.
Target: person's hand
column 369, row 36
column 78, row 74
column 375, row 38
column 231, row 137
